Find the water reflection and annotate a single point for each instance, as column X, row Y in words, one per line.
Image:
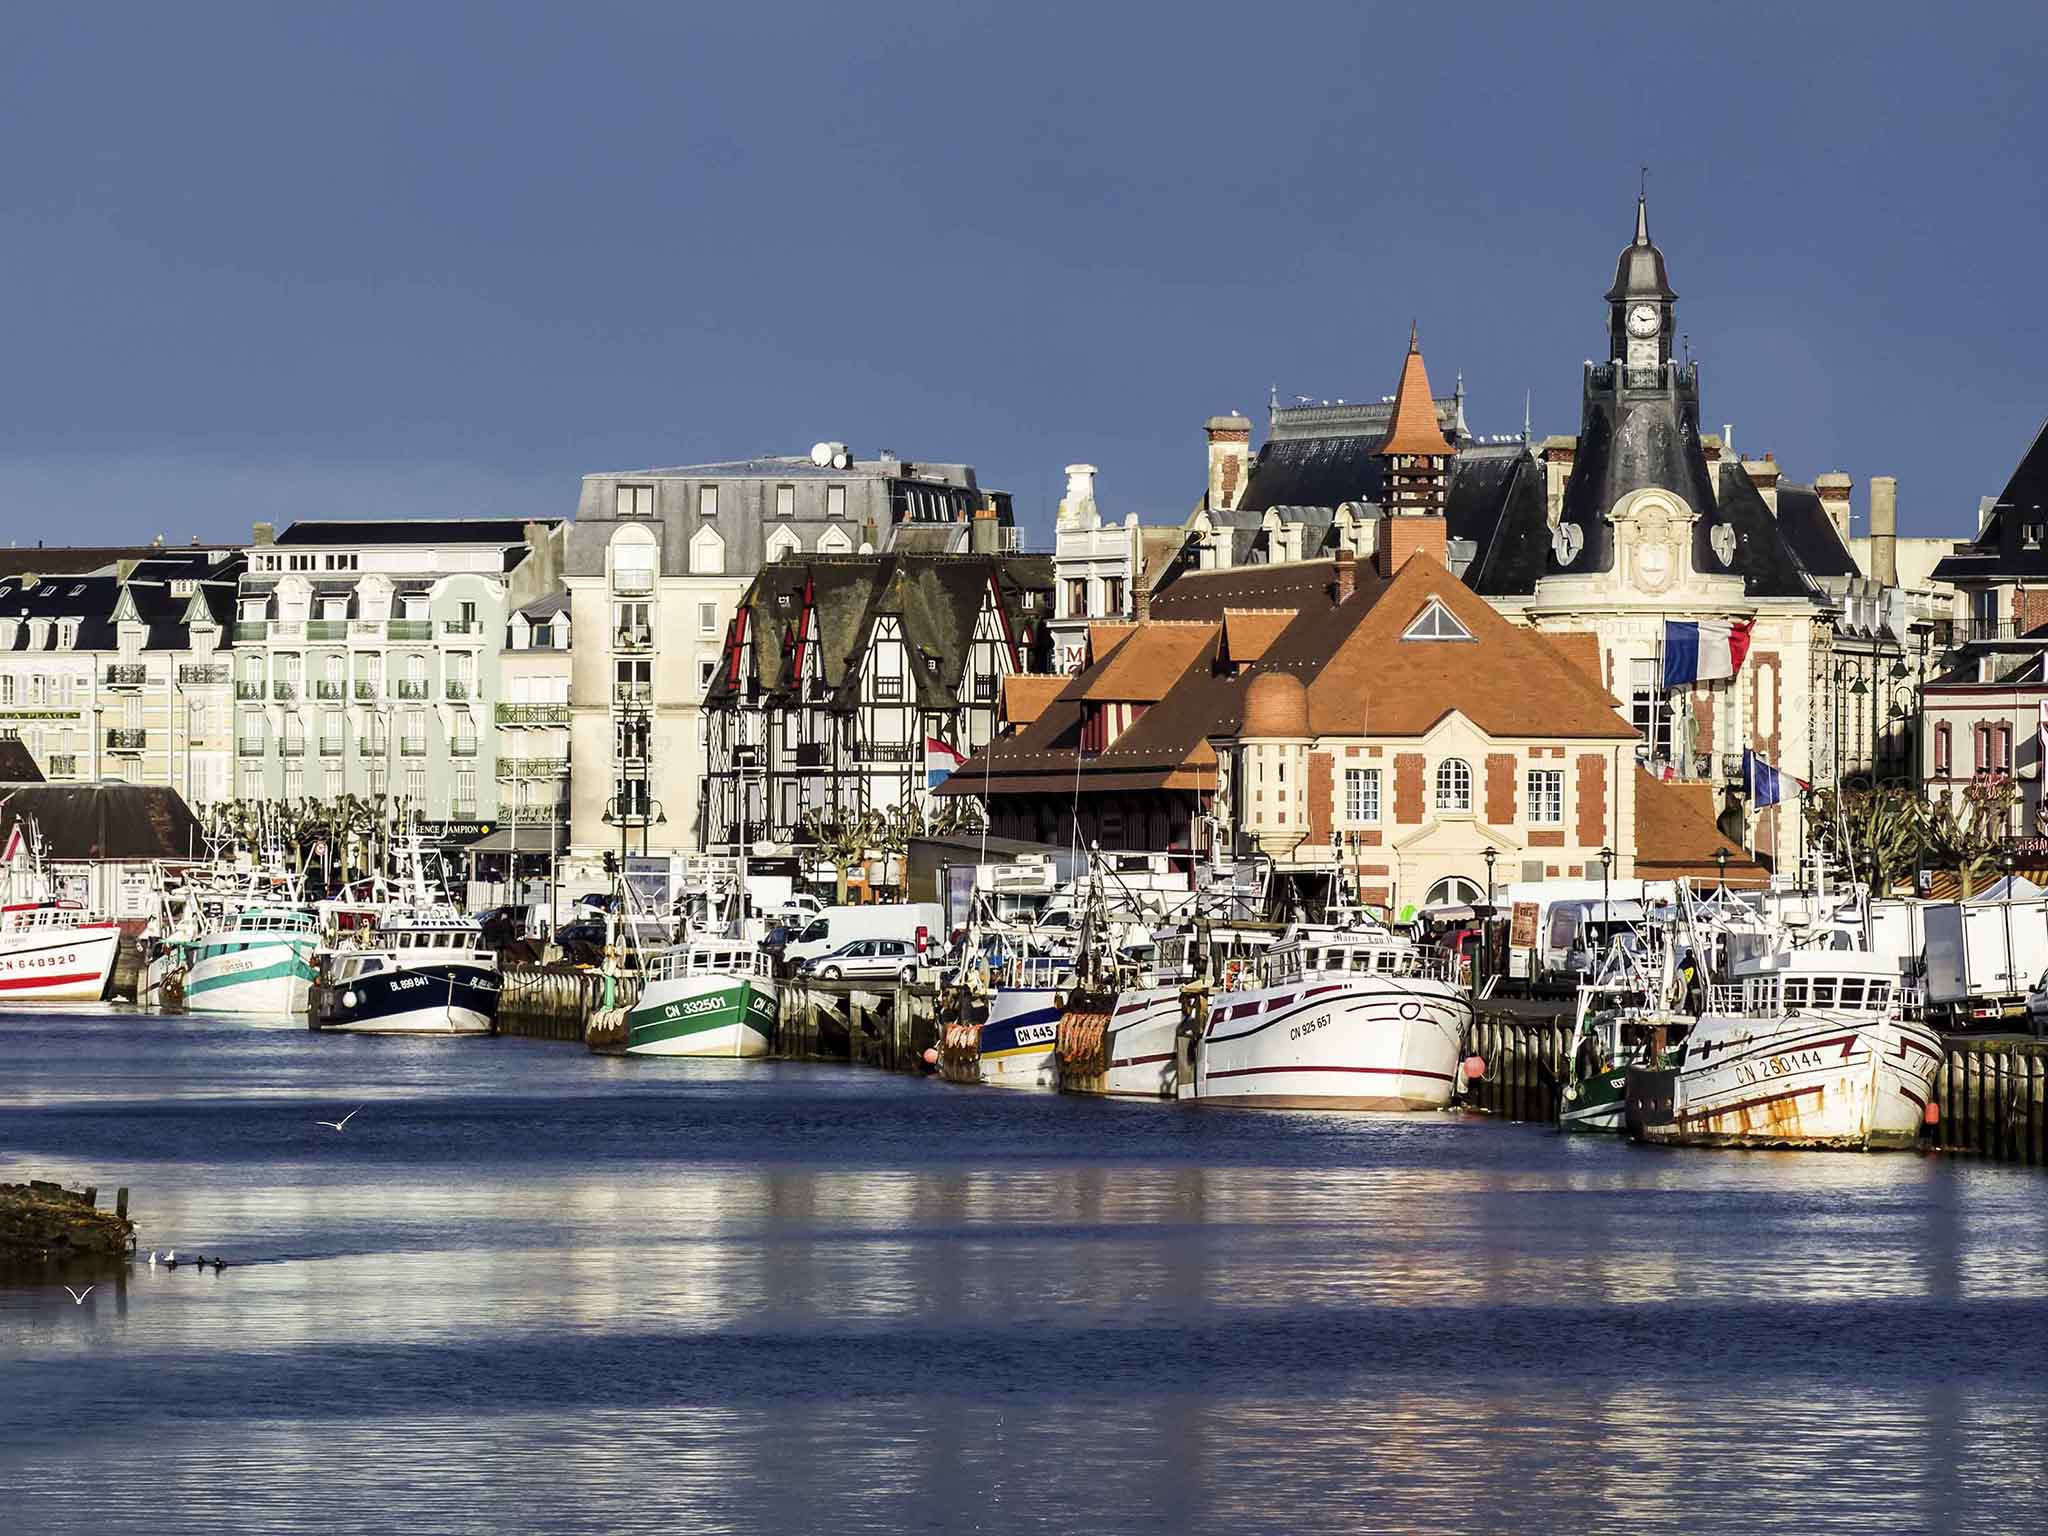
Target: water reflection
column 534, row 1289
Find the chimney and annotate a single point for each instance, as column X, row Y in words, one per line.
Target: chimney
column 982, row 536
column 264, row 533
column 1763, row 474
column 1077, row 508
column 1402, row 537
column 1833, row 490
column 1346, row 581
column 1557, row 454
column 1230, row 451
column 1141, row 598
column 1884, row 530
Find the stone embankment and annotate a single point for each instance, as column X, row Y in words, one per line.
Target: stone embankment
column 41, row 1223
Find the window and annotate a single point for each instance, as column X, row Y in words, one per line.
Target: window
column 785, row 501
column 7, row 689
column 1453, row 785
column 1113, row 595
column 1435, row 622
column 416, row 785
column 466, row 612
column 835, row 501
column 634, row 561
column 706, row 670
column 2033, row 533
column 707, row 501
column 707, row 552
column 2003, row 760
column 415, row 733
column 376, row 782
column 633, row 623
column 707, row 618
column 1984, row 614
column 1077, row 597
column 330, row 782
column 1944, row 750
column 1362, row 794
column 636, row 501
column 1546, row 797
column 783, row 542
column 465, row 792
column 629, row 739
column 633, row 681
column 1646, row 709
column 294, row 783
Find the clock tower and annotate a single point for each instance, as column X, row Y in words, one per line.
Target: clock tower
column 1640, row 310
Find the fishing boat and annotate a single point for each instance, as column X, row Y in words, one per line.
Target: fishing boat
column 709, row 997
column 51, row 950
column 253, row 960
column 1630, row 1014
column 1802, row 1048
column 413, row 965
column 1343, row 1018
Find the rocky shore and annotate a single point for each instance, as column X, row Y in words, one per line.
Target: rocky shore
column 41, row 1222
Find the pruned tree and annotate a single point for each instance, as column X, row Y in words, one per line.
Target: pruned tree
column 844, row 839
column 1967, row 832
column 1878, row 833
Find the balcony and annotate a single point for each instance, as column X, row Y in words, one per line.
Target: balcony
column 369, row 746
column 533, row 714
column 126, row 738
column 327, row 629
column 409, row 629
column 202, row 674
column 810, row 754
column 412, row 688
column 412, row 747
column 287, row 629
column 462, row 810
column 284, row 688
column 63, row 765
column 127, row 674
column 634, row 583
column 367, row 689
column 462, row 746
column 533, row 767
column 249, row 688
column 460, row 628
column 293, row 746
column 638, row 637
column 328, row 688
column 633, row 695
column 887, row 752
column 247, row 747
column 457, row 688
column 333, row 746
column 544, row 814
column 251, row 631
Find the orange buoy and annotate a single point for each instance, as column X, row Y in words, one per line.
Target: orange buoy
column 1475, row 1067
column 1932, row 1114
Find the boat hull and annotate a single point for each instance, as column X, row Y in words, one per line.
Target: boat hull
column 1597, row 1103
column 443, row 999
column 1018, row 1043
column 1370, row 1044
column 1817, row 1080
column 70, row 966
column 1121, row 1046
column 272, row 978
column 705, row 1015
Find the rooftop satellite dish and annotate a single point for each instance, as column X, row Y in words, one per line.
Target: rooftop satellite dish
column 840, row 457
column 821, row 454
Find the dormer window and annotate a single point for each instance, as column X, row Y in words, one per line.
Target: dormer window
column 1436, row 622
column 184, row 588
column 2034, row 534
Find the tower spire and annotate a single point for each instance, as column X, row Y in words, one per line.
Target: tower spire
column 1643, row 209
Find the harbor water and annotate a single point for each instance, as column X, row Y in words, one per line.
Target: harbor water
column 532, row 1288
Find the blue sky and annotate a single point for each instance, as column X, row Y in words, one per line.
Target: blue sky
column 270, row 261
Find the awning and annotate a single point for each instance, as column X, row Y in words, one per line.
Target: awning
column 527, row 839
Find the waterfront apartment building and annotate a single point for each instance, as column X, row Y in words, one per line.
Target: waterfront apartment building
column 114, row 665
column 532, row 721
column 367, row 657
column 1102, row 570
column 657, row 561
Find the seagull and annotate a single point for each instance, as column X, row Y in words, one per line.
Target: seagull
column 78, row 1297
column 219, row 1264
column 152, row 1258
column 171, row 1258
column 344, row 1120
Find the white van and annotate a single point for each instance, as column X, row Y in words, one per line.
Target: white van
column 842, row 925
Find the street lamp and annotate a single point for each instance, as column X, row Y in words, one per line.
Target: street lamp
column 1606, row 898
column 1489, row 855
column 1721, row 858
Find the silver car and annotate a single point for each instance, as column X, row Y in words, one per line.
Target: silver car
column 894, row 958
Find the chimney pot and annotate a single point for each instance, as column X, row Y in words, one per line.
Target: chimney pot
column 1884, row 530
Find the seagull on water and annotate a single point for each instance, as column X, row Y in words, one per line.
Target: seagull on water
column 171, row 1258
column 152, row 1258
column 336, row 1125
column 78, row 1297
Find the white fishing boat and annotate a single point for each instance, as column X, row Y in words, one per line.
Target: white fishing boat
column 253, row 960
column 1805, row 1048
column 51, row 950
column 1355, row 1019
column 710, row 997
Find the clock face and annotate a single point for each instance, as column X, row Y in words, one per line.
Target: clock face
column 1644, row 320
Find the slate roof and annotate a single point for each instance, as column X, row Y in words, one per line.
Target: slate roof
column 937, row 599
column 414, row 530
column 94, row 600
column 2000, row 549
column 1803, row 519
column 105, row 821
column 17, row 763
column 70, row 559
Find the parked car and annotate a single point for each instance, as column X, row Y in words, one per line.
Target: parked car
column 2037, row 1008
column 503, row 925
column 895, row 958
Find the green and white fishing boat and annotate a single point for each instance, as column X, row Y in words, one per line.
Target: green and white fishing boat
column 256, row 960
column 1630, row 1014
column 709, row 997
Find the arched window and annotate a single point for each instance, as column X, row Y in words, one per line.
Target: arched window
column 635, row 560
column 1454, row 891
column 1453, row 785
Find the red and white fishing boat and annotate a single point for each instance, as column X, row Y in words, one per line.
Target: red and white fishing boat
column 1356, row 1018
column 51, row 951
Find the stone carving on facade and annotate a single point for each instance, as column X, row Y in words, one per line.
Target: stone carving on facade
column 1653, row 529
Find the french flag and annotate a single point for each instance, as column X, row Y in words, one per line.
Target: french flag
column 1703, row 652
column 939, row 761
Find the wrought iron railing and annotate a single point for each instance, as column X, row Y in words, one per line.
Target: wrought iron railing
column 409, row 629
column 367, row 688
column 533, row 714
column 201, row 674
column 533, row 767
column 412, row 688
column 328, row 688
column 126, row 738
column 127, row 674
column 284, row 688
